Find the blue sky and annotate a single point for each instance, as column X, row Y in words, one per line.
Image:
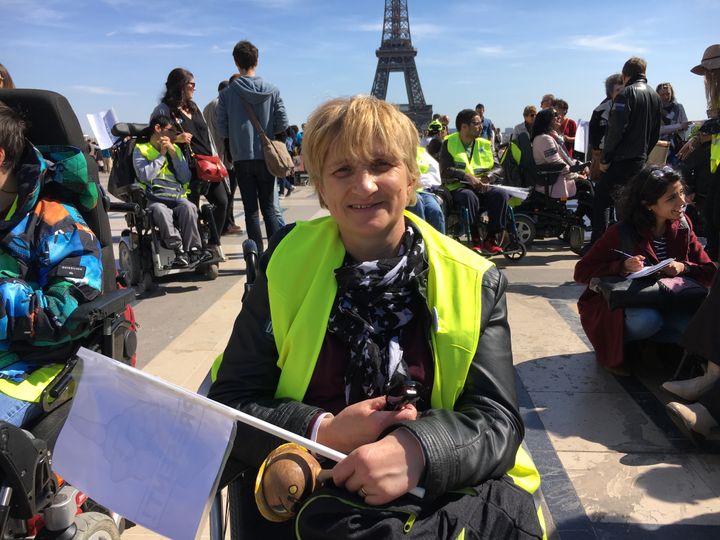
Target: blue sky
column 505, row 54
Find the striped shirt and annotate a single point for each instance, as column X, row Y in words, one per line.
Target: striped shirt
column 660, row 247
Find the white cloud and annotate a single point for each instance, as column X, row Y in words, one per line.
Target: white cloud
column 100, row 90
column 490, row 50
column 147, row 28
column 612, row 42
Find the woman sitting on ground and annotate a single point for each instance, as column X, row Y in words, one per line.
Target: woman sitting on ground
column 382, row 298
column 653, row 227
column 549, row 149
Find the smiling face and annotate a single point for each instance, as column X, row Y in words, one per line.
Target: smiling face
column 665, row 93
column 671, row 205
column 367, row 199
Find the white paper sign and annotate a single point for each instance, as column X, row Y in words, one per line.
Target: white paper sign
column 101, row 123
column 146, row 449
column 582, row 136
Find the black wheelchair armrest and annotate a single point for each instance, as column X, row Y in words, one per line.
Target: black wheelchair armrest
column 550, row 168
column 103, row 307
column 123, row 207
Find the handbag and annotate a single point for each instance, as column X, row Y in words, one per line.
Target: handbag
column 678, row 292
column 277, row 158
column 209, row 168
column 495, row 509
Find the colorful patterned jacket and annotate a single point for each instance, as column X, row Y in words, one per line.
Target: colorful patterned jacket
column 50, row 261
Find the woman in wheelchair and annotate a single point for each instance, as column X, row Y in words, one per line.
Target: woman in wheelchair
column 163, row 171
column 317, row 352
column 653, row 227
column 49, row 264
column 548, row 149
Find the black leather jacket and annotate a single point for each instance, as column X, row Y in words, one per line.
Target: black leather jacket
column 464, row 447
column 634, row 123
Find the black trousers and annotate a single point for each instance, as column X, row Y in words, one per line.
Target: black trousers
column 216, row 194
column 494, row 200
column 611, row 180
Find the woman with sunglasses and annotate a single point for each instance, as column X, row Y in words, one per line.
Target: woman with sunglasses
column 653, row 227
column 178, row 104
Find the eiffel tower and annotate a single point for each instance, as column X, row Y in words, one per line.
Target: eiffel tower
column 396, row 53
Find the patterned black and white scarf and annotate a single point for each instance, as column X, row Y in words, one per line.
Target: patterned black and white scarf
column 374, row 302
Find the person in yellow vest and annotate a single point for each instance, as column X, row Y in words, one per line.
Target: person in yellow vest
column 704, row 145
column 382, row 299
column 162, row 169
column 427, row 205
column 464, row 157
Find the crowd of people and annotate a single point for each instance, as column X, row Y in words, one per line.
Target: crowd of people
column 384, row 293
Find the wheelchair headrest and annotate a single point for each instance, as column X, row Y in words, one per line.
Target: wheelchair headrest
column 50, row 118
column 124, row 129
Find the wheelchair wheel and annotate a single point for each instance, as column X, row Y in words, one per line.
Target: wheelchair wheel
column 212, row 271
column 576, row 237
column 129, row 260
column 514, row 250
column 525, row 229
column 95, row 526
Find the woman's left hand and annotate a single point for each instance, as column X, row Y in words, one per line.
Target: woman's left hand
column 673, row 269
column 384, row 470
column 184, row 137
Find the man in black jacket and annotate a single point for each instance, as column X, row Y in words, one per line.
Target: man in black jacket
column 632, row 131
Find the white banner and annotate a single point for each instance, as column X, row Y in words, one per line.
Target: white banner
column 101, row 123
column 144, row 448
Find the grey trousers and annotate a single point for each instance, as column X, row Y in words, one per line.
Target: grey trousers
column 170, row 216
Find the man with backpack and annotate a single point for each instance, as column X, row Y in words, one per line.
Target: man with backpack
column 249, row 96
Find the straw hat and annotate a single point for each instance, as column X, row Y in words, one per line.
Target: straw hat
column 710, row 60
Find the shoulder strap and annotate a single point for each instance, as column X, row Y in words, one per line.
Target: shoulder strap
column 253, row 118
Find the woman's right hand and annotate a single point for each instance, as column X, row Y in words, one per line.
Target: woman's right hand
column 360, row 423
column 633, row 264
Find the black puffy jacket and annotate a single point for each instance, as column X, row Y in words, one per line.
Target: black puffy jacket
column 634, row 123
column 476, row 441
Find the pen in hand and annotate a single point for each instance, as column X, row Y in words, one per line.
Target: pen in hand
column 626, row 255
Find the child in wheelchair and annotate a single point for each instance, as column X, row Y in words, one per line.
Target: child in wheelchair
column 50, row 263
column 163, row 171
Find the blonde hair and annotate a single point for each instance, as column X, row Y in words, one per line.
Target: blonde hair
column 356, row 125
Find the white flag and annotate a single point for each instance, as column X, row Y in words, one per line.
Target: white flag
column 144, row 448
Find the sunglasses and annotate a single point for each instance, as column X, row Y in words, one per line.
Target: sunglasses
column 191, row 84
column 659, row 173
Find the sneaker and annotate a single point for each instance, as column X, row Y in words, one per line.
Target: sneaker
column 181, row 259
column 491, row 247
column 200, row 255
column 289, row 190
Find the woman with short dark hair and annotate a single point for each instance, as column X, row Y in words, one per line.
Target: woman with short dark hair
column 178, row 104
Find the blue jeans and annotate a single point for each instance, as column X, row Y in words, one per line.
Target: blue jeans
column 18, row 412
column 259, row 193
column 659, row 326
column 428, row 208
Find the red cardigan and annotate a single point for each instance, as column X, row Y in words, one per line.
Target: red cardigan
column 604, row 328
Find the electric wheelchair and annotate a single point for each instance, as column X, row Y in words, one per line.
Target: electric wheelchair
column 34, row 503
column 141, row 253
column 540, row 215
